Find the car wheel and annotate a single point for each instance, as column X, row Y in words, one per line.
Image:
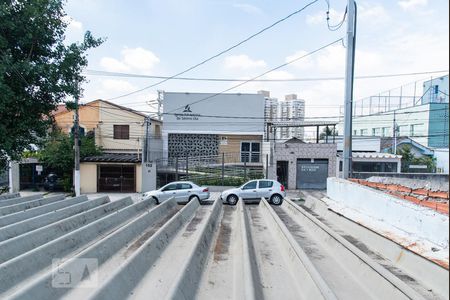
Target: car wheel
column 156, row 200
column 232, row 199
column 193, row 198
column 276, row 199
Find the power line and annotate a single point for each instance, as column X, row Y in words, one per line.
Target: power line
column 256, row 77
column 221, row 52
column 130, row 75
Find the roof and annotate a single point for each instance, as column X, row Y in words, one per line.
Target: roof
column 114, row 157
column 294, row 140
column 386, row 144
column 302, row 123
column 124, row 108
column 59, row 109
column 374, row 155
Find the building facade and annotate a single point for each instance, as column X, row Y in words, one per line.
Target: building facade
column 292, row 109
column 208, row 125
column 428, row 124
column 435, row 90
column 121, row 132
column 299, row 165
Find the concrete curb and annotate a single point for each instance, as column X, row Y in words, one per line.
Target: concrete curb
column 6, row 210
column 25, row 226
column 102, row 251
column 186, row 283
column 9, row 196
column 18, row 245
column 314, row 285
column 33, row 212
column 18, row 200
column 397, row 287
column 127, row 276
column 24, row 266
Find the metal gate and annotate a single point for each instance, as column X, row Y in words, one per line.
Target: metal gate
column 312, row 173
column 116, row 178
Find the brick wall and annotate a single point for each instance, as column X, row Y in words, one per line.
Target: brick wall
column 291, row 152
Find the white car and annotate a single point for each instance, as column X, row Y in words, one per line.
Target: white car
column 256, row 189
column 183, row 191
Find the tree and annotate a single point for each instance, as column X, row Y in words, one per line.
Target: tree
column 408, row 159
column 328, row 131
column 37, row 71
column 58, row 152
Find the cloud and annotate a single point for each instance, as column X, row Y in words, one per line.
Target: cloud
column 132, row 59
column 304, row 63
column 332, row 61
column 117, row 85
column 279, row 75
column 373, row 13
column 242, row 62
column 248, row 8
column 412, row 4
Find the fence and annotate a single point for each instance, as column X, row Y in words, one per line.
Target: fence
column 229, row 169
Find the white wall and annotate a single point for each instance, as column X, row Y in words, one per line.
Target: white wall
column 408, row 217
column 442, row 160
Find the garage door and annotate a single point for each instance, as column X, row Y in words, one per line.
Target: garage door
column 116, row 178
column 312, row 173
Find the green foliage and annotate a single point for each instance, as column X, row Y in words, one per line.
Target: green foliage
column 408, row 159
column 37, row 71
column 328, row 131
column 58, row 151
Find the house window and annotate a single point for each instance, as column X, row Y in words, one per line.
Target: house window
column 121, row 132
column 403, row 130
column 250, row 151
column 386, row 131
column 376, row 131
column 363, row 131
column 417, row 129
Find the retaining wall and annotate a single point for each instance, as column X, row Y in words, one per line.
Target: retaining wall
column 408, row 217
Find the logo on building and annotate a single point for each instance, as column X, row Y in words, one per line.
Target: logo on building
column 187, row 108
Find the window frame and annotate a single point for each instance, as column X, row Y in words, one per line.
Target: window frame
column 250, row 153
column 253, row 188
column 265, row 187
column 119, row 133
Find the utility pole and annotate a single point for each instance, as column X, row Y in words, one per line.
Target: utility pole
column 76, row 134
column 145, row 154
column 160, row 99
column 349, row 77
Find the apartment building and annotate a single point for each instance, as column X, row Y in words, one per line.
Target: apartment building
column 292, row 109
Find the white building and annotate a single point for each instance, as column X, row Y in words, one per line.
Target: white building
column 270, row 108
column 292, row 109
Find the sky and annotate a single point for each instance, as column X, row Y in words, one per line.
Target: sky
column 162, row 38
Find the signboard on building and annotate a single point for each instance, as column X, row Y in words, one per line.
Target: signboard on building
column 211, row 113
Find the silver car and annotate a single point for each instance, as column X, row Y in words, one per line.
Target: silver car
column 256, row 189
column 183, row 191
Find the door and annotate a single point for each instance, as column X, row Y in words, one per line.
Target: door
column 282, row 172
column 249, row 191
column 184, row 191
column 168, row 191
column 312, row 173
column 116, row 178
column 265, row 188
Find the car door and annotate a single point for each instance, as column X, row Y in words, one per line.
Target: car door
column 249, row 190
column 168, row 191
column 184, row 191
column 265, row 188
